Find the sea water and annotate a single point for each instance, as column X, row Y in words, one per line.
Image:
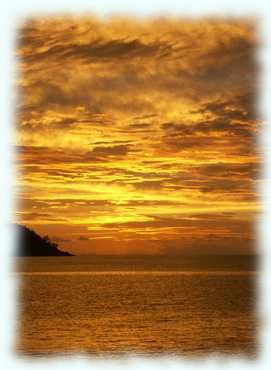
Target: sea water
column 142, row 305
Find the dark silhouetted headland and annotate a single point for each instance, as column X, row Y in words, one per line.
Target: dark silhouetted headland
column 31, row 244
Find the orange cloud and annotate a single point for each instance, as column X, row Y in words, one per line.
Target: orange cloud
column 138, row 136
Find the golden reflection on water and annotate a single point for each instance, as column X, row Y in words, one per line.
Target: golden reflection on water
column 109, row 312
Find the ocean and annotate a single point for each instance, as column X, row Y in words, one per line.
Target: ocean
column 113, row 305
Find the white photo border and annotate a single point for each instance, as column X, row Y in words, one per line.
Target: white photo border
column 11, row 12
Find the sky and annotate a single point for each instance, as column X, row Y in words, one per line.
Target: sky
column 138, row 135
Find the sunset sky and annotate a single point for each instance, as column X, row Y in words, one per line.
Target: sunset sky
column 138, row 136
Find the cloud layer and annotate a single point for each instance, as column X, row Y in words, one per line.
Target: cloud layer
column 138, row 136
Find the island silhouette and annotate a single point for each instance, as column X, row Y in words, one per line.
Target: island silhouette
column 31, row 244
